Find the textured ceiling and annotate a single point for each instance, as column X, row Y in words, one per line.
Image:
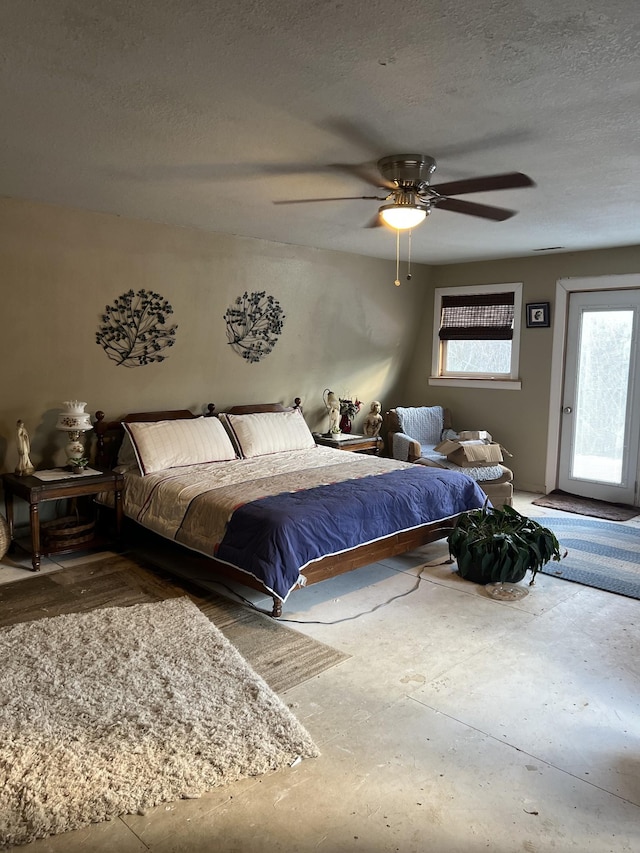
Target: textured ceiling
column 205, row 113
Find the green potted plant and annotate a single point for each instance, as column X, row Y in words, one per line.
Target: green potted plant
column 78, row 464
column 501, row 545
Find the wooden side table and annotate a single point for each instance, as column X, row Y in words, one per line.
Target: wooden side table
column 35, row 491
column 354, row 443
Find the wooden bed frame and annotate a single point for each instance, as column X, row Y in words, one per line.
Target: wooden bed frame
column 109, row 435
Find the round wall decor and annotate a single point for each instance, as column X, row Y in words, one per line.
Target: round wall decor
column 134, row 329
column 254, row 322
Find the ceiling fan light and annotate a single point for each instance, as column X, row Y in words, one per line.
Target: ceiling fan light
column 403, row 216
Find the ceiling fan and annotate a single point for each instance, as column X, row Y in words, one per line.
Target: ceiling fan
column 411, row 197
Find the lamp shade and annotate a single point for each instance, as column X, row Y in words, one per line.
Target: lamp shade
column 403, row 216
column 74, row 418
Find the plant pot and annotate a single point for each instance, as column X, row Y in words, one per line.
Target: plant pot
column 500, row 545
column 490, row 574
column 345, row 424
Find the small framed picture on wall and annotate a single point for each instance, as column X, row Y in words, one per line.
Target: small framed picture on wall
column 538, row 314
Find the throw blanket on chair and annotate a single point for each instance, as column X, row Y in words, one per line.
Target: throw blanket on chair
column 424, row 423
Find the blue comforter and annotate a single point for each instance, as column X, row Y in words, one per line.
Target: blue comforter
column 275, row 537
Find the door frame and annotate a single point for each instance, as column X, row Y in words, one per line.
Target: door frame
column 564, row 288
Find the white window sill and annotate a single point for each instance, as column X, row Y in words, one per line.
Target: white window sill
column 498, row 384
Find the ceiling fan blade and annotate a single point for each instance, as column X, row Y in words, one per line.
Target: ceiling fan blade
column 359, row 135
column 219, row 172
column 338, row 198
column 366, row 172
column 508, row 181
column 374, row 222
column 471, row 208
column 488, row 142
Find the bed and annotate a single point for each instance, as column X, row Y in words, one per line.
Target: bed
column 251, row 491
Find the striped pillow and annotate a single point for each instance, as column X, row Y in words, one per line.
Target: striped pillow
column 262, row 433
column 173, row 444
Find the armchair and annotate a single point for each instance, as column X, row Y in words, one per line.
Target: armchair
column 413, row 433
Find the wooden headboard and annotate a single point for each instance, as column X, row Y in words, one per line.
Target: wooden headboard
column 109, row 434
column 256, row 408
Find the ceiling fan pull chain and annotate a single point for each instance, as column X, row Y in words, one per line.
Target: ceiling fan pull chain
column 409, row 258
column 397, row 281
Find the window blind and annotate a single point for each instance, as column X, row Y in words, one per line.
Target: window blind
column 477, row 317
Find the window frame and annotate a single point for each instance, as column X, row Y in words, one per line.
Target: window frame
column 512, row 381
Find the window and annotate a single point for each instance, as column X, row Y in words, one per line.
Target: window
column 476, row 336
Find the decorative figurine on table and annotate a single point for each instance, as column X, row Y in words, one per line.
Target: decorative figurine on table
column 24, row 468
column 374, row 420
column 333, row 407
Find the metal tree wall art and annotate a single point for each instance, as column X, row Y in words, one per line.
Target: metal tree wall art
column 254, row 322
column 134, row 330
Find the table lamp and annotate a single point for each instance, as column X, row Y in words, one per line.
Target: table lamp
column 74, row 421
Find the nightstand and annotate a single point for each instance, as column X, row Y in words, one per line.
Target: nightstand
column 354, row 443
column 36, row 491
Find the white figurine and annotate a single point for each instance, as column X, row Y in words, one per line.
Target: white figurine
column 333, row 405
column 374, row 420
column 24, row 467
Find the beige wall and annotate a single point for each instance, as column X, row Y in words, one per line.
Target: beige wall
column 518, row 419
column 347, row 327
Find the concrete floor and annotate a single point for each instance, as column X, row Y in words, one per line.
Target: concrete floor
column 459, row 724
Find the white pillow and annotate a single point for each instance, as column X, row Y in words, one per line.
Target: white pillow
column 174, row 444
column 127, row 455
column 263, row 433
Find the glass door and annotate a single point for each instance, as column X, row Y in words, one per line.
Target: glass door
column 601, row 407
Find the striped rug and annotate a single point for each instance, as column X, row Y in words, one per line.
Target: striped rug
column 601, row 554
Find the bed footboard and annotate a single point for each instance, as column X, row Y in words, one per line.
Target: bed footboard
column 327, row 567
column 390, row 546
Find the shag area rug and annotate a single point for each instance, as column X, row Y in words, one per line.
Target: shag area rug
column 587, row 506
column 282, row 656
column 116, row 710
column 601, row 554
